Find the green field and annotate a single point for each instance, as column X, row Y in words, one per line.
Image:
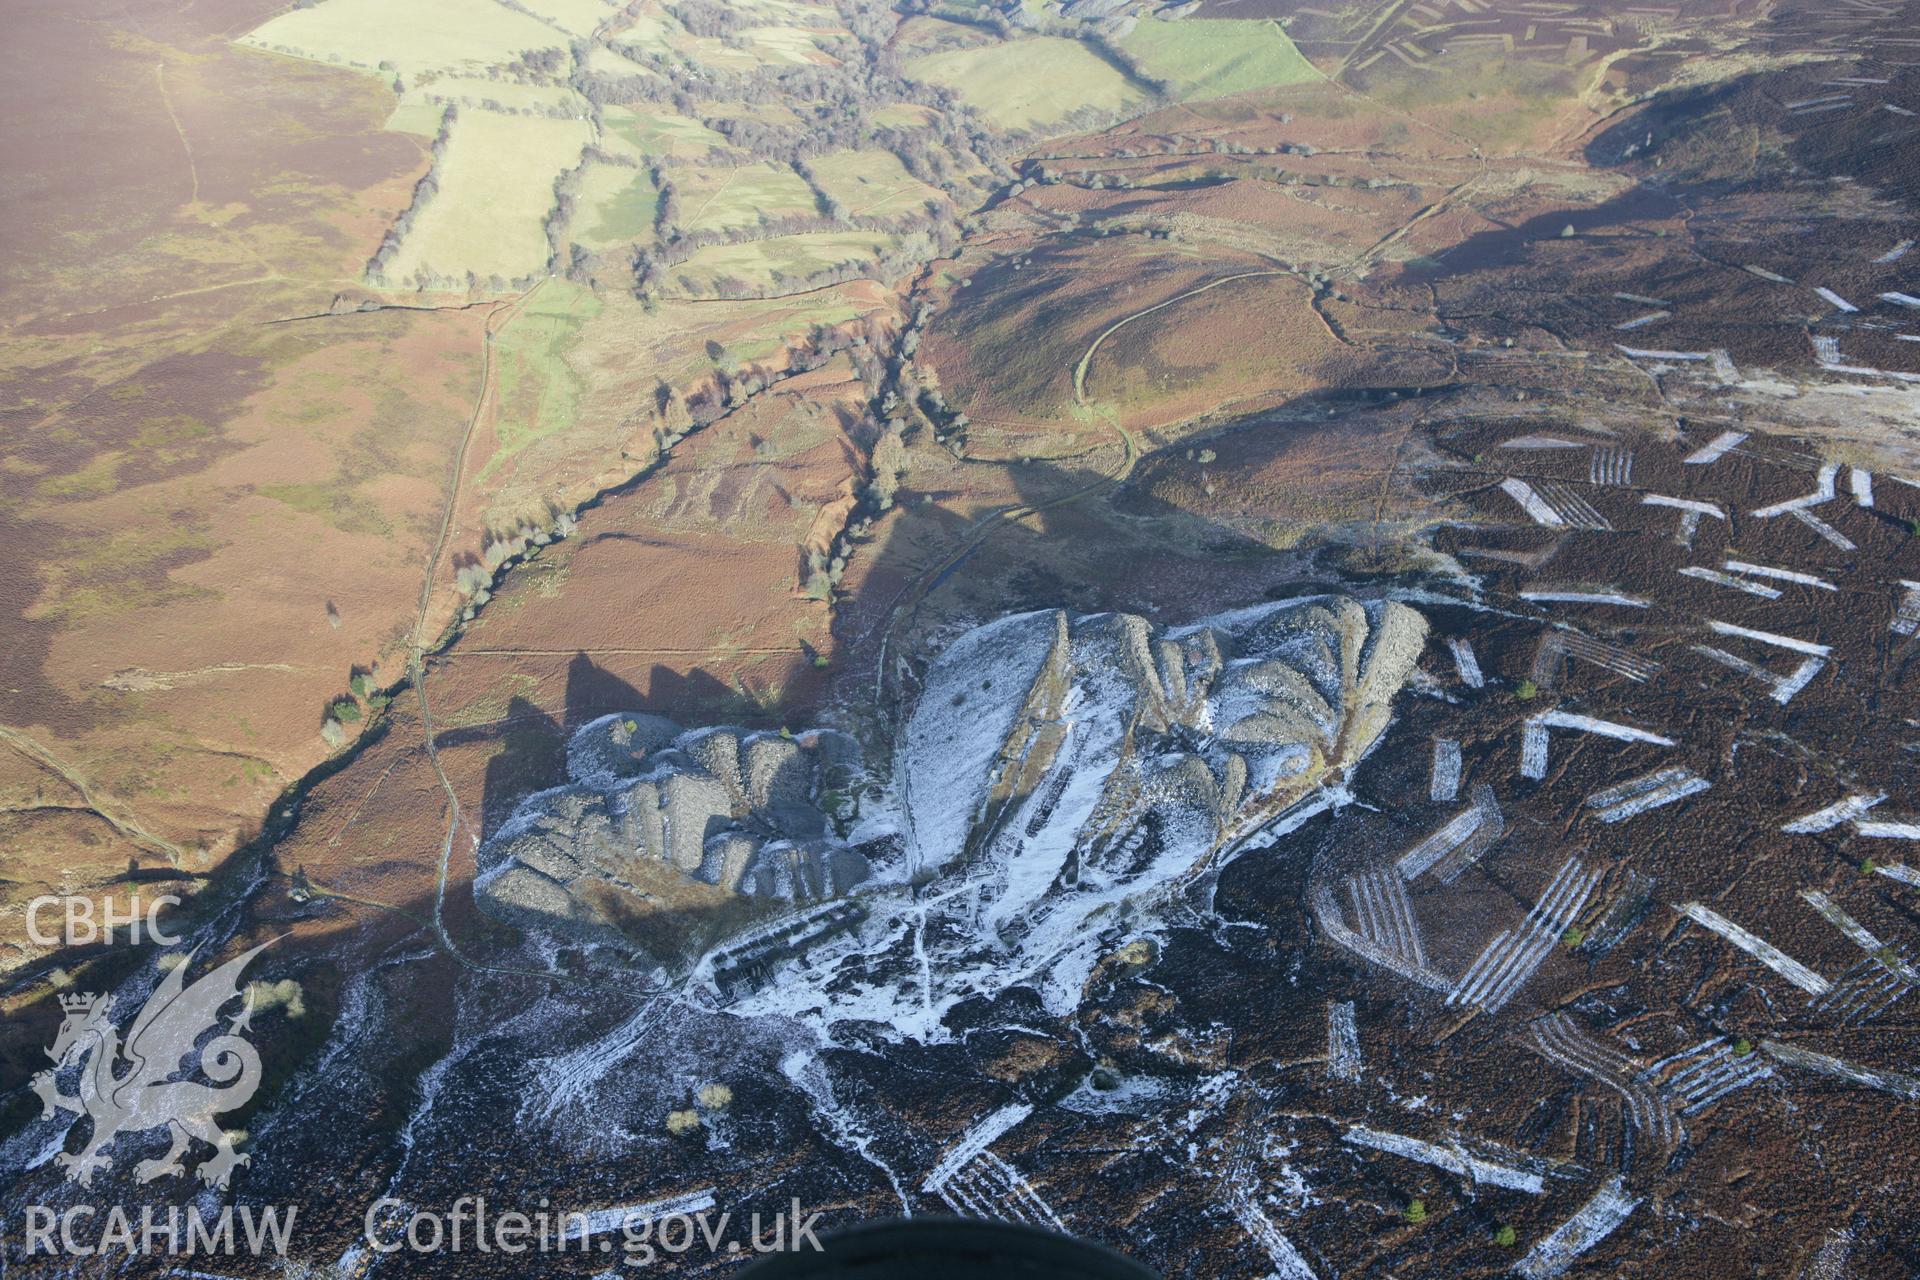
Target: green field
column 1036, row 82
column 818, row 16
column 724, row 199
column 604, row 61
column 871, row 182
column 792, row 46
column 496, row 186
column 616, row 206
column 416, row 117
column 649, row 31
column 413, row 35
column 539, row 391
column 661, row 133
column 903, row 115
column 796, row 256
column 1028, row 84
column 1220, row 56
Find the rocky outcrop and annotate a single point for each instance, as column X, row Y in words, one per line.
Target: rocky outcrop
column 1049, row 751
column 1061, row 778
column 651, row 808
column 1060, row 764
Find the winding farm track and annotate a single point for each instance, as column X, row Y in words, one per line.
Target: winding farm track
column 987, row 525
column 1086, row 360
column 497, row 319
column 166, row 100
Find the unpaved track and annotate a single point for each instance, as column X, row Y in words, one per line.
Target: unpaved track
column 986, row 526
column 1080, row 370
column 416, row 657
column 125, row 824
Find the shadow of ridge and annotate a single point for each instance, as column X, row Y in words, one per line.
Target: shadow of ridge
column 1701, row 129
column 1072, row 538
column 1853, row 145
column 594, row 691
column 1035, row 565
column 533, row 743
column 323, row 945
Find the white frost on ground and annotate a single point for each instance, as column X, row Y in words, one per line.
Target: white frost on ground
column 1112, row 819
column 1131, row 1095
column 1760, row 949
column 1343, row 1041
column 1907, row 829
column 1649, row 791
column 1533, row 740
column 1752, row 570
column 1596, row 1220
column 1444, row 783
column 805, row 1072
column 1684, row 504
column 1530, row 502
column 1771, row 638
column 1504, row 966
column 1728, row 580
column 1585, row 597
column 1906, row 619
column 1453, row 1158
column 976, row 1140
column 1465, row 662
column 965, row 731
column 1288, row 1262
column 598, row 1222
column 1893, row 1082
column 1715, row 449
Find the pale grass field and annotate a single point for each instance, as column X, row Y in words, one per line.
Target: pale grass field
column 496, row 186
column 1220, row 56
column 872, row 182
column 413, row 35
column 660, row 133
column 615, row 206
column 580, row 17
column 756, row 262
column 723, row 199
column 1028, row 84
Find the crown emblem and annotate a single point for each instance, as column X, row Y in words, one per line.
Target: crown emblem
column 81, row 1003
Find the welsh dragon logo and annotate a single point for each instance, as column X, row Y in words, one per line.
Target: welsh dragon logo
column 129, row 1088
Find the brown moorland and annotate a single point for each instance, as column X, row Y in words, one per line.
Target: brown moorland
column 230, row 463
column 226, row 514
